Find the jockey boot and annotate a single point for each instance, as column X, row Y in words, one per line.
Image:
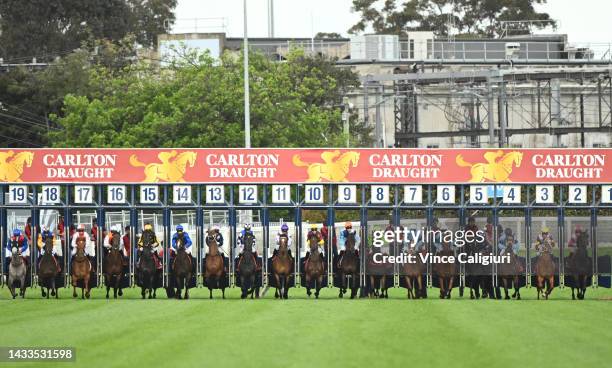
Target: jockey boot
column 290, row 255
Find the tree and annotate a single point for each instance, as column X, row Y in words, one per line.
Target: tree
column 327, row 36
column 199, row 103
column 467, row 17
column 49, row 28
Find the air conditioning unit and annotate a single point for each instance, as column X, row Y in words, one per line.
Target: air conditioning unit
column 512, row 49
column 375, row 47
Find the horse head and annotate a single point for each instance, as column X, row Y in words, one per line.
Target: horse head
column 313, row 244
column 80, row 245
column 115, row 241
column 147, row 237
column 186, row 158
column 48, row 245
column 210, row 237
column 350, row 243
column 248, row 243
column 282, row 243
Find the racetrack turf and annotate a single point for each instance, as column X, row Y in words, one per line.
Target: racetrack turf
column 328, row 332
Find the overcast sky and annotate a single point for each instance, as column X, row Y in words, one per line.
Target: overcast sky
column 583, row 21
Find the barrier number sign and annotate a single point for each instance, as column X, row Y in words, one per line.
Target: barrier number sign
column 380, row 194
column 478, row 194
column 446, row 194
column 116, row 194
column 83, row 194
column 577, row 194
column 606, row 194
column 149, row 194
column 347, row 194
column 511, row 194
column 50, row 194
column 313, row 194
column 18, row 194
column 545, row 194
column 413, row 194
column 247, row 194
column 181, row 194
column 281, row 194
column 215, row 194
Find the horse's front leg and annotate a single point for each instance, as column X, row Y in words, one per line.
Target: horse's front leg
column 409, row 286
column 74, row 285
column 278, row 292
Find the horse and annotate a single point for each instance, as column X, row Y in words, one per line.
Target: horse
column 215, row 272
column 147, row 270
column 349, row 267
column 247, row 266
column 17, row 272
column 413, row 273
column 510, row 272
column 335, row 168
column 477, row 275
column 113, row 266
column 498, row 171
column 314, row 269
column 281, row 268
column 580, row 265
column 378, row 275
column 181, row 268
column 47, row 271
column 80, row 269
column 545, row 271
column 446, row 271
column 11, row 171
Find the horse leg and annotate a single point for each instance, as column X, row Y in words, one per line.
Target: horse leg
column 342, row 280
column 117, row 286
column 143, row 292
column 505, row 282
column 408, row 286
column 450, row 288
column 278, row 292
column 87, row 287
column 187, row 286
column 353, row 288
column 107, row 283
column 551, row 284
column 318, row 284
column 573, row 294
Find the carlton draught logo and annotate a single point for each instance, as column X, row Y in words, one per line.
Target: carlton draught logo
column 497, row 168
column 171, row 168
column 335, row 166
column 11, row 165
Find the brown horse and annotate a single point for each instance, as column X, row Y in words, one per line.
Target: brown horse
column 377, row 272
column 545, row 271
column 314, row 269
column 215, row 272
column 113, row 266
column 47, row 270
column 80, row 269
column 282, row 265
column 17, row 271
column 446, row 271
column 182, row 268
column 349, row 268
column 580, row 265
column 413, row 273
column 510, row 272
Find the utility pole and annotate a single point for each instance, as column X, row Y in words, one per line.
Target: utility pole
column 271, row 18
column 345, row 119
column 247, row 106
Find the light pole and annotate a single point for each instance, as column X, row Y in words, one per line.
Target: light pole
column 247, row 107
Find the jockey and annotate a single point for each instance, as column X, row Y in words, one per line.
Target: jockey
column 23, row 248
column 126, row 240
column 320, row 240
column 180, row 233
column 216, row 233
column 502, row 244
column 115, row 229
column 89, row 251
column 544, row 241
column 573, row 242
column 41, row 247
column 284, row 232
column 344, row 235
column 158, row 251
column 413, row 245
column 246, row 230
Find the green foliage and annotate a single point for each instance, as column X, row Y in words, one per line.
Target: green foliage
column 198, row 102
column 470, row 17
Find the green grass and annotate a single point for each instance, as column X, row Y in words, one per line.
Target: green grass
column 315, row 333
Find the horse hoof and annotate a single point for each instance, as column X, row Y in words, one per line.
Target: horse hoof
column 107, row 297
column 120, row 292
column 53, row 293
column 74, row 295
column 340, row 295
column 44, row 294
column 518, row 297
column 507, row 297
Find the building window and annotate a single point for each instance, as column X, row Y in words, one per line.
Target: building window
column 411, row 49
column 433, row 146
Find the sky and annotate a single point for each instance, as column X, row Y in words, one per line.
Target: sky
column 585, row 21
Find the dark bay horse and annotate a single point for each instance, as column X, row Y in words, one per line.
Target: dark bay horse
column 446, row 272
column 247, row 266
column 181, row 268
column 413, row 274
column 147, row 270
column 510, row 272
column 80, row 269
column 349, row 268
column 17, row 271
column 545, row 271
column 377, row 272
column 580, row 265
column 113, row 266
column 47, row 270
column 215, row 272
column 282, row 266
column 314, row 269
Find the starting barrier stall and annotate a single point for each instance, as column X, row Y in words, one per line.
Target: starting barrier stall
column 564, row 218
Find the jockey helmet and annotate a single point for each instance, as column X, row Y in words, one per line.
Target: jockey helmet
column 46, row 233
column 148, row 227
column 216, row 228
column 247, row 227
column 508, row 231
column 116, row 228
column 348, row 225
column 81, row 227
column 545, row 229
column 16, row 232
column 284, row 228
column 578, row 229
column 313, row 226
column 179, row 228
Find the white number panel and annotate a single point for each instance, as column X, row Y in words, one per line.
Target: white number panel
column 347, row 194
column 512, row 194
column 545, row 194
column 413, row 194
column 313, row 194
column 446, row 194
column 247, row 194
column 116, row 194
column 478, row 194
column 83, row 194
column 215, row 194
column 181, row 194
column 281, row 194
column 149, row 194
column 18, row 194
column 50, row 194
column 379, row 194
column 577, row 194
column 606, row 194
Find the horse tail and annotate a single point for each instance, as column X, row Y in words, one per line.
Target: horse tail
column 461, row 162
column 134, row 161
column 297, row 161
